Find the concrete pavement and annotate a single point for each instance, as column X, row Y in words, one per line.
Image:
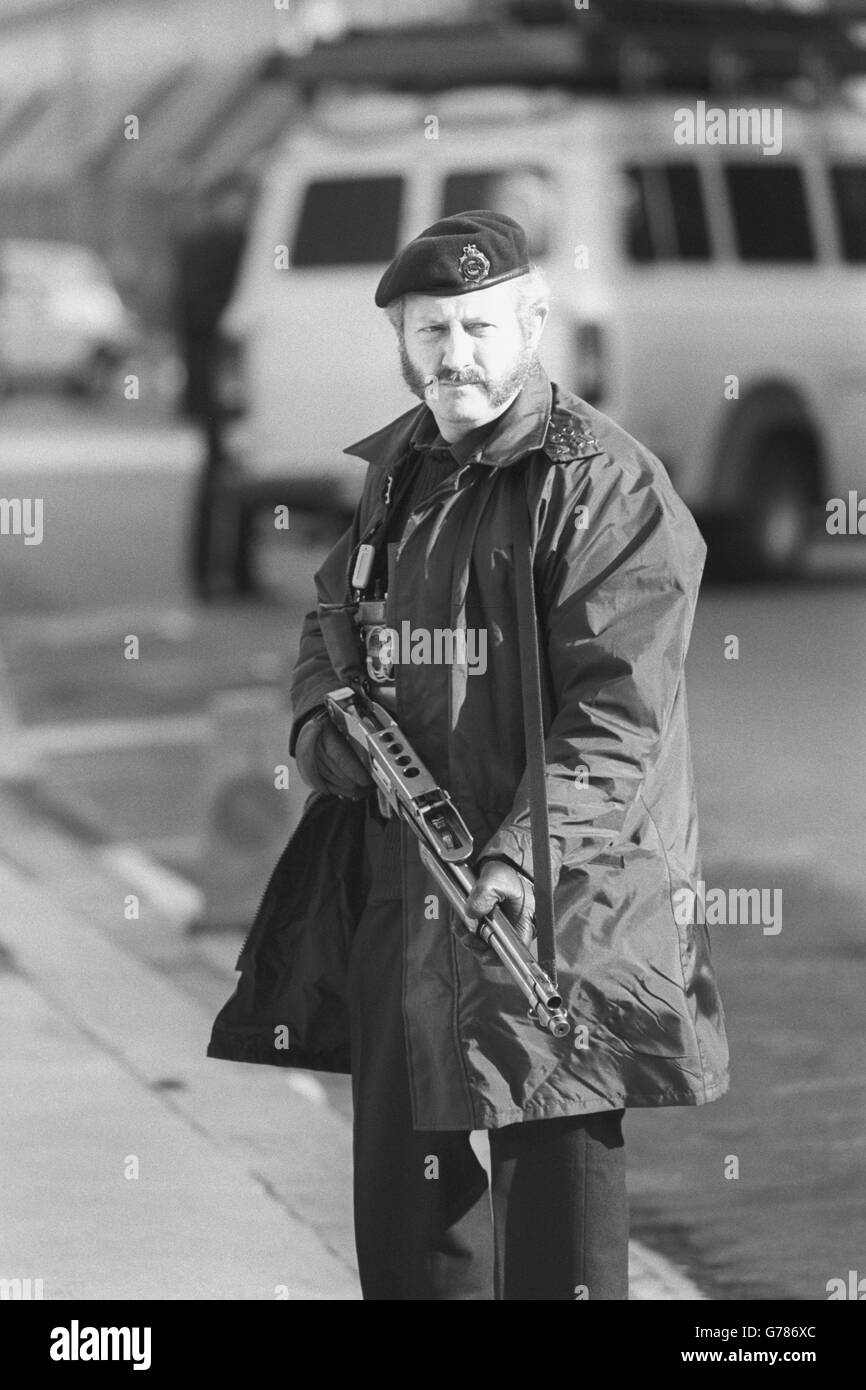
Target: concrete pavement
column 110, row 1192
column 133, row 1166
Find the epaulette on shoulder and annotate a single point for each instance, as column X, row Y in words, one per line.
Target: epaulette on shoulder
column 569, row 435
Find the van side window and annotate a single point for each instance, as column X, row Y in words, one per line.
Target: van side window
column 665, row 217
column 638, row 236
column 525, row 193
column 849, row 194
column 348, row 222
column 771, row 216
column 687, row 211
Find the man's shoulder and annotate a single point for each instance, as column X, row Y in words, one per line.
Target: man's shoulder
column 576, row 420
column 616, row 453
column 622, row 479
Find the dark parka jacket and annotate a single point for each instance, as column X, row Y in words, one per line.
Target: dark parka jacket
column 618, row 562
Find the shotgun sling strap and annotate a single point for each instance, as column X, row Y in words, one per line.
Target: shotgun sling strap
column 533, row 730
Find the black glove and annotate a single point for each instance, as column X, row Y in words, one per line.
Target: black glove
column 327, row 762
column 501, row 883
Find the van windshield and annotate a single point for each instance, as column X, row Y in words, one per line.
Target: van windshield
column 348, row 221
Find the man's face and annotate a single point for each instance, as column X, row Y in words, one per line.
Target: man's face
column 466, row 355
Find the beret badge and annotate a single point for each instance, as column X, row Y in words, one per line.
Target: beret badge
column 473, row 265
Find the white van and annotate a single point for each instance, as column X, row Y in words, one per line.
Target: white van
column 710, row 298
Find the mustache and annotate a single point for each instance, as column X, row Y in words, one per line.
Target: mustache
column 466, row 378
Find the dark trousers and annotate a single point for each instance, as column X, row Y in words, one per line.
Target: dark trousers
column 203, row 560
column 552, row 1224
column 220, row 550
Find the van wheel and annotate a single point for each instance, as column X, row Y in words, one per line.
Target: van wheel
column 775, row 520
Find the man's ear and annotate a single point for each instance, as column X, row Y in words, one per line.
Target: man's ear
column 536, row 326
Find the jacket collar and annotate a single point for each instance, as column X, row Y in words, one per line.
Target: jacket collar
column 538, row 418
column 427, row 439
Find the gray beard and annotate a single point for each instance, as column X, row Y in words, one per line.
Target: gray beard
column 498, row 392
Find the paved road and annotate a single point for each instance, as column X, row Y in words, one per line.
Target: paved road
column 115, row 494
column 778, row 739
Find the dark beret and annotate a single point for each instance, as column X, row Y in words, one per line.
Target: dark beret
column 456, row 255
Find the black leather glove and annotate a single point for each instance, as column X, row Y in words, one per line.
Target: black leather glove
column 327, row 762
column 501, row 883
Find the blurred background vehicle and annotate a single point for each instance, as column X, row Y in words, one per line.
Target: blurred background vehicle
column 712, row 301
column 710, row 297
column 62, row 320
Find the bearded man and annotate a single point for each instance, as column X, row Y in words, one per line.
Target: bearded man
column 367, row 967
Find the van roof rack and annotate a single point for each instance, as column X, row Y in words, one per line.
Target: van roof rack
column 617, row 46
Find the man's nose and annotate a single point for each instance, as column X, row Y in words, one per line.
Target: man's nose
column 456, row 350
